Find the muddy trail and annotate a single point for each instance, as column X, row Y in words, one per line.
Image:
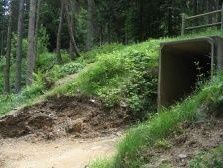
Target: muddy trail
column 77, row 117
column 182, row 146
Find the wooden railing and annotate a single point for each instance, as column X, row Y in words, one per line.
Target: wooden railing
column 186, row 18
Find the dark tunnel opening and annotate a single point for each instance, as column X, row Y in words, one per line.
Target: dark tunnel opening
column 182, row 66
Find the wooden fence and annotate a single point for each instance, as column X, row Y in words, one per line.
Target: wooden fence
column 186, row 18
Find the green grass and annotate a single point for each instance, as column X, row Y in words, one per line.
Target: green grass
column 162, row 124
column 114, row 82
column 207, row 159
column 115, row 73
column 44, row 75
column 27, row 96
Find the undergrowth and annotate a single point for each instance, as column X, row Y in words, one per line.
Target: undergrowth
column 127, row 77
column 207, row 159
column 120, row 75
column 162, row 124
column 48, row 73
column 117, row 74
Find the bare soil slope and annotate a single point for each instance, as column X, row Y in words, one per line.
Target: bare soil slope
column 66, row 132
column 80, row 117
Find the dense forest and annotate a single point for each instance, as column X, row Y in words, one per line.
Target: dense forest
column 31, row 27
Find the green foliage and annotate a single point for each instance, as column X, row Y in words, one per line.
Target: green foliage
column 9, row 102
column 131, row 84
column 141, row 90
column 105, row 72
column 1, row 82
column 14, row 45
column 81, row 27
column 43, row 40
column 91, row 56
column 100, row 163
column 207, row 159
column 162, row 144
column 59, row 72
column 45, row 61
column 163, row 123
column 47, row 73
column 126, row 76
column 71, row 68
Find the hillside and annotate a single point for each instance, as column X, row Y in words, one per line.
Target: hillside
column 178, row 133
column 107, row 90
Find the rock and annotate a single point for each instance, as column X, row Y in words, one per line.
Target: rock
column 123, row 104
column 75, row 127
column 92, row 101
column 182, row 156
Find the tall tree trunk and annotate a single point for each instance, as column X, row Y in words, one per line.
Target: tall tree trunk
column 37, row 28
column 195, row 7
column 19, row 47
column 58, row 54
column 71, row 27
column 2, row 43
column 71, row 46
column 170, row 22
column 8, row 53
column 71, row 51
column 31, row 41
column 141, row 25
column 90, row 24
column 101, row 35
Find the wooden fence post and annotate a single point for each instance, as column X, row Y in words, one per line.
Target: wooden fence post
column 183, row 24
column 222, row 17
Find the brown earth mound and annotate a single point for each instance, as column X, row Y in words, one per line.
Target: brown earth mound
column 57, row 117
column 183, row 146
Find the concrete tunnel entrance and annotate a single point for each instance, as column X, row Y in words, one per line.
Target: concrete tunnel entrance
column 183, row 64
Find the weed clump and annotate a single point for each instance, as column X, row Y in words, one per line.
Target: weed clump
column 206, row 159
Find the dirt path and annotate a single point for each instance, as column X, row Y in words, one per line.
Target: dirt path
column 50, row 134
column 64, row 153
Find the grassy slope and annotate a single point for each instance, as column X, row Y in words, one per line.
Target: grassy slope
column 162, row 124
column 106, row 72
column 39, row 89
column 121, row 74
column 113, row 72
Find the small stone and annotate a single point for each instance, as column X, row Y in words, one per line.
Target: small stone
column 123, row 104
column 182, row 156
column 75, row 127
column 92, row 101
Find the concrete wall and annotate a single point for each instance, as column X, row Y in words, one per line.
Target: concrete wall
column 179, row 73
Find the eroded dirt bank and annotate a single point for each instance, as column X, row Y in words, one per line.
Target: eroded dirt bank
column 66, row 132
column 79, row 117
